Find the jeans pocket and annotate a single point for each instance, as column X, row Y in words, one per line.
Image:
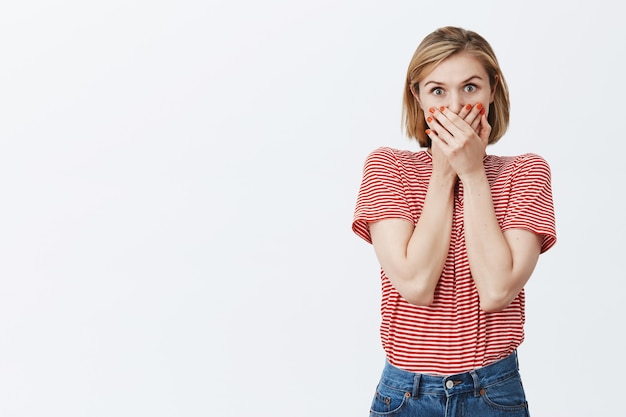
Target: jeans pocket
column 507, row 395
column 388, row 401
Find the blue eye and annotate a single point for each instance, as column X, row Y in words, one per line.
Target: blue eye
column 437, row 91
column 470, row 88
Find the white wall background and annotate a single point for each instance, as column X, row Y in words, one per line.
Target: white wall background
column 177, row 180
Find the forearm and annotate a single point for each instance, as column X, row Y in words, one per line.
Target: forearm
column 489, row 255
column 429, row 244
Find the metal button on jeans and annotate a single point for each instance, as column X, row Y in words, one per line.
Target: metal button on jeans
column 449, row 384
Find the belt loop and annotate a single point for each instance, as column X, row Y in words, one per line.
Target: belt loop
column 476, row 383
column 416, row 385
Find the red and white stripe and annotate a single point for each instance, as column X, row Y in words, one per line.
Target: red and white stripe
column 452, row 335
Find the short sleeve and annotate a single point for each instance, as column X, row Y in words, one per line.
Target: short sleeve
column 382, row 193
column 531, row 206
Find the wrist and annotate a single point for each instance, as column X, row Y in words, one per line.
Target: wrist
column 444, row 179
column 477, row 177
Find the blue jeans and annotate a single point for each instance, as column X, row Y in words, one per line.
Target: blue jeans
column 492, row 391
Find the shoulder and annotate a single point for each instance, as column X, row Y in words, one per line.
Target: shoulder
column 526, row 164
column 531, row 159
column 385, row 156
column 383, row 153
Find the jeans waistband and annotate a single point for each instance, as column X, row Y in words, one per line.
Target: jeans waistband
column 449, row 385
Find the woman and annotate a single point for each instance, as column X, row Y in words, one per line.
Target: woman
column 457, row 233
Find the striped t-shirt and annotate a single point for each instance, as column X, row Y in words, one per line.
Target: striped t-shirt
column 453, row 334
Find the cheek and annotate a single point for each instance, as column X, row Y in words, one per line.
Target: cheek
column 486, row 101
column 425, row 104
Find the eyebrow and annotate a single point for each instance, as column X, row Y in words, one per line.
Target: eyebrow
column 463, row 82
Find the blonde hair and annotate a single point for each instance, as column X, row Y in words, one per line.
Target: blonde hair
column 436, row 47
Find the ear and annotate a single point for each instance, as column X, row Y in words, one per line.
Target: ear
column 415, row 95
column 493, row 89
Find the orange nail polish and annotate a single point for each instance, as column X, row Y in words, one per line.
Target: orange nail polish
column 482, row 111
column 468, row 107
column 432, row 110
column 429, row 119
column 442, row 108
column 479, row 106
column 427, row 131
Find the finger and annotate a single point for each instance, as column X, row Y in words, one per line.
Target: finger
column 466, row 111
column 439, row 130
column 450, row 121
column 473, row 115
column 485, row 128
column 435, row 138
column 476, row 123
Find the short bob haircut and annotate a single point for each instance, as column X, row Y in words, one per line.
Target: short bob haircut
column 436, row 47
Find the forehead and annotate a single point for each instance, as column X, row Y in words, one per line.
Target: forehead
column 455, row 69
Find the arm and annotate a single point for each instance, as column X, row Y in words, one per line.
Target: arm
column 501, row 262
column 413, row 256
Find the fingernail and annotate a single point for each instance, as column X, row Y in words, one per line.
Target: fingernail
column 427, row 131
column 479, row 106
column 432, row 110
column 468, row 107
column 442, row 108
column 429, row 119
column 482, row 111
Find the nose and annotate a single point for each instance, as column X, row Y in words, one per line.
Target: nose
column 455, row 104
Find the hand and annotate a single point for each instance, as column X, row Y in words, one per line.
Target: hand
column 441, row 166
column 462, row 138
